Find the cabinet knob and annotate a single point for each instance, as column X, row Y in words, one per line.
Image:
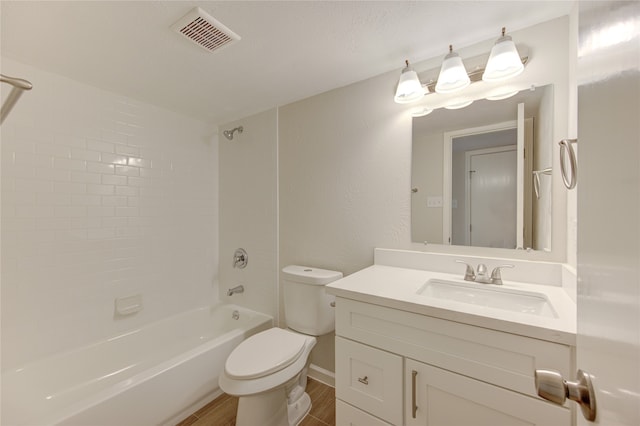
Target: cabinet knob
column 364, row 380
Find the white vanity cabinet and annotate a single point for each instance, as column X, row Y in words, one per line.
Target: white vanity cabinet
column 389, row 361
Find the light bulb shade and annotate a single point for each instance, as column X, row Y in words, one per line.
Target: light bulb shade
column 504, row 61
column 409, row 87
column 453, row 75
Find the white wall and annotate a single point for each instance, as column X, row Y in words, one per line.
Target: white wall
column 102, row 197
column 345, row 167
column 248, row 211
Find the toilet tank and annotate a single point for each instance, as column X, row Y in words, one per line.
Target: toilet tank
column 307, row 306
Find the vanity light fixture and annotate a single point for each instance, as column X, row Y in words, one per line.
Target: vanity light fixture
column 504, row 61
column 409, row 87
column 453, row 75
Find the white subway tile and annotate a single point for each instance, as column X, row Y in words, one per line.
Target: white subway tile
column 70, row 211
column 70, row 164
column 83, row 154
column 86, row 177
column 114, row 222
column 113, row 159
column 53, row 174
column 69, row 187
column 101, row 234
column 32, row 185
column 100, row 168
column 130, row 191
column 127, row 211
column 100, row 146
column 99, row 211
column 114, row 180
column 128, row 150
column 100, row 189
column 127, row 171
column 53, row 150
column 86, row 200
column 113, row 200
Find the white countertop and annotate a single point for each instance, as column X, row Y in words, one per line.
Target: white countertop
column 397, row 288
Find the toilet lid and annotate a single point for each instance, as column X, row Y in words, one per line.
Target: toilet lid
column 264, row 353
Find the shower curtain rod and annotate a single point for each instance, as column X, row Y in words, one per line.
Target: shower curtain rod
column 19, row 86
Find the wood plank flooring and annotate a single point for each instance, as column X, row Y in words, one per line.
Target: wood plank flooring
column 222, row 410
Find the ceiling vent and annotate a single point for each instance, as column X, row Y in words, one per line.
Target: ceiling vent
column 202, row 29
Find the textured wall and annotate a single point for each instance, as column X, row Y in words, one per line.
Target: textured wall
column 248, row 211
column 102, row 197
column 345, row 167
column 345, row 161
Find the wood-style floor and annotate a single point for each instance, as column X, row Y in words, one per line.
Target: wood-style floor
column 222, row 410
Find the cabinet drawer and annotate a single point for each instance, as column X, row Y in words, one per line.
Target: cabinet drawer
column 370, row 379
column 347, row 415
column 507, row 360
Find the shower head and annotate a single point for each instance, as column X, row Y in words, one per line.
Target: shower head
column 229, row 133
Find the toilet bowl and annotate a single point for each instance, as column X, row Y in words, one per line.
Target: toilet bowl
column 268, row 371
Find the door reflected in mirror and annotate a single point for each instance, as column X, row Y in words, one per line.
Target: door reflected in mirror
column 472, row 173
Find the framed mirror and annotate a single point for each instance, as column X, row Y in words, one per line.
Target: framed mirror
column 481, row 175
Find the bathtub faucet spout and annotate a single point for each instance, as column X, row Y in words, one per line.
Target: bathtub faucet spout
column 238, row 289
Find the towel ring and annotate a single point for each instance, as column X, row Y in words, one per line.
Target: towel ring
column 569, row 177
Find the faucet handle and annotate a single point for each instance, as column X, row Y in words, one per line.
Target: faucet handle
column 496, row 277
column 469, row 274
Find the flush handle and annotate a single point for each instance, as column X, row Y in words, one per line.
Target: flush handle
column 364, row 380
column 551, row 386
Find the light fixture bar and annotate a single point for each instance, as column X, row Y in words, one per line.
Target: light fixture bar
column 474, row 75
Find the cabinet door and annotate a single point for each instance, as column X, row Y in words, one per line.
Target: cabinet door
column 369, row 379
column 444, row 398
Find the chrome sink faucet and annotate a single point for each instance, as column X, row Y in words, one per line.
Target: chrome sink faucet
column 482, row 276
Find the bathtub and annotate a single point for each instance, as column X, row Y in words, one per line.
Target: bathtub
column 148, row 376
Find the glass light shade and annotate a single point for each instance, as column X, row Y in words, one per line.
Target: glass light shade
column 453, row 75
column 421, row 112
column 458, row 104
column 504, row 61
column 498, row 96
column 409, row 87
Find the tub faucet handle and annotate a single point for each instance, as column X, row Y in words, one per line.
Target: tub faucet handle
column 469, row 274
column 496, row 277
column 240, row 258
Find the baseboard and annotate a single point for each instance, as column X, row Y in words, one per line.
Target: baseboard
column 320, row 374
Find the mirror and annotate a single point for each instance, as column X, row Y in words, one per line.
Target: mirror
column 481, row 175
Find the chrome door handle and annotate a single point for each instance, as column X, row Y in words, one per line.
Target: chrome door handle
column 551, row 386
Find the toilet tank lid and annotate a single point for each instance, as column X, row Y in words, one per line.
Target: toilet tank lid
column 310, row 275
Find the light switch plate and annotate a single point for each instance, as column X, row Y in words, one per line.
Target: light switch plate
column 434, row 201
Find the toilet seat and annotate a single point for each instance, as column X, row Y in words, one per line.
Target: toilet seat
column 264, row 353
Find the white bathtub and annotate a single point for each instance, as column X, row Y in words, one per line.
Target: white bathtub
column 147, row 376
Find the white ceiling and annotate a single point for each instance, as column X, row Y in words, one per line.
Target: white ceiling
column 289, row 50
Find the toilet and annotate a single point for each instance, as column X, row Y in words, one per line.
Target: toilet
column 268, row 371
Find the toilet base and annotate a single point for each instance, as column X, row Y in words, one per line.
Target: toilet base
column 271, row 409
column 299, row 409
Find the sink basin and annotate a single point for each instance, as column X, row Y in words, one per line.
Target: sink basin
column 491, row 296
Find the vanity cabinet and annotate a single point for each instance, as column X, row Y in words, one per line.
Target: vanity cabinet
column 401, row 368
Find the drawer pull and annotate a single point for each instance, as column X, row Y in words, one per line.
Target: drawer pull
column 414, row 407
column 364, row 380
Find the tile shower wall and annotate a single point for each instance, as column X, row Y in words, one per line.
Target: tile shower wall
column 102, row 197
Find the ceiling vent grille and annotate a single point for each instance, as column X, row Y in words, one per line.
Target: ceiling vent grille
column 202, row 29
